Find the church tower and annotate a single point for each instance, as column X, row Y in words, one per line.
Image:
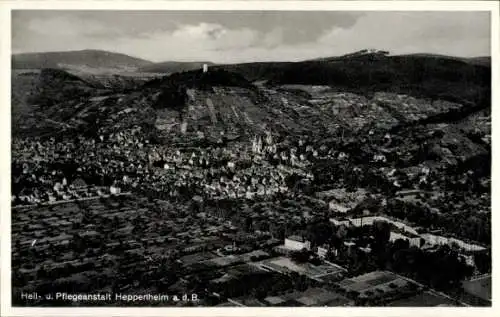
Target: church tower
column 269, row 138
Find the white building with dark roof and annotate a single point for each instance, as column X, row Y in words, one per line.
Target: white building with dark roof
column 296, row 243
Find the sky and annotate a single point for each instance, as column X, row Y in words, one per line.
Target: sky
column 246, row 36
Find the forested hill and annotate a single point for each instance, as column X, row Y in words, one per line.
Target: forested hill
column 420, row 75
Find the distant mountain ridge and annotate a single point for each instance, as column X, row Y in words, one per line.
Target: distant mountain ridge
column 83, row 58
column 99, row 61
column 374, row 54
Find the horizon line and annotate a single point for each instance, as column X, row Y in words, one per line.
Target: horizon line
column 243, row 62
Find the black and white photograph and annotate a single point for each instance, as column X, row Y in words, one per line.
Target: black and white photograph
column 250, row 158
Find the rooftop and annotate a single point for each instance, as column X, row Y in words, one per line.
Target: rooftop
column 296, row 238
